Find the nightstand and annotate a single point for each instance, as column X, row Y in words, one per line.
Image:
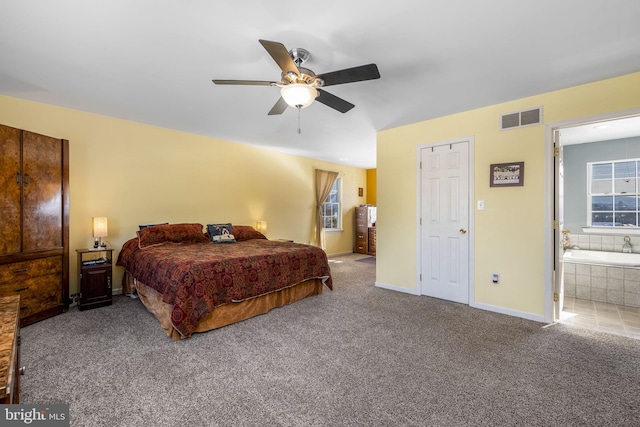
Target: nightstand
column 95, row 269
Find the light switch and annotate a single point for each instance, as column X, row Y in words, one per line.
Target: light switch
column 480, row 205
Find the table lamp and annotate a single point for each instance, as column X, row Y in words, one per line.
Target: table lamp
column 99, row 231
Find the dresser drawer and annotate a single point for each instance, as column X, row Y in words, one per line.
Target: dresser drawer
column 38, row 282
column 36, row 294
column 360, row 244
column 24, row 270
column 360, row 249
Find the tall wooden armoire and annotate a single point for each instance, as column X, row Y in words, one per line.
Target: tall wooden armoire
column 34, row 222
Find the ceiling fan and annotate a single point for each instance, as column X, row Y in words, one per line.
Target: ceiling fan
column 299, row 86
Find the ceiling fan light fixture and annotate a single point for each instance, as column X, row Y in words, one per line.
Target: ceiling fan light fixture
column 298, row 95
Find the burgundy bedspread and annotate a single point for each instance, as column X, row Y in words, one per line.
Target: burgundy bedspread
column 197, row 277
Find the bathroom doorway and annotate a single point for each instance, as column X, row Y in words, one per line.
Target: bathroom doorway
column 594, row 212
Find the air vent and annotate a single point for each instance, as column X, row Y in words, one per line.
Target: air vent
column 508, row 121
column 521, row 118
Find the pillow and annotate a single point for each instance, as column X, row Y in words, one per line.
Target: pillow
column 246, row 232
column 221, row 233
column 170, row 233
column 152, row 225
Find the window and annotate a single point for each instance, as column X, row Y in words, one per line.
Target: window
column 331, row 211
column 614, row 193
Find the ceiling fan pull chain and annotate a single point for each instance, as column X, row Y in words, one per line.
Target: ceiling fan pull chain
column 298, row 107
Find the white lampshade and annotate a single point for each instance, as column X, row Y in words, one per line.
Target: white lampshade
column 298, row 95
column 261, row 226
column 100, row 226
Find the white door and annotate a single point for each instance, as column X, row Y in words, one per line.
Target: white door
column 444, row 214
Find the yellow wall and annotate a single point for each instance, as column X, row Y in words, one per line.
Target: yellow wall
column 138, row 174
column 372, row 188
column 510, row 233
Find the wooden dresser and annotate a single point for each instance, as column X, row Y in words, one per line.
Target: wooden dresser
column 364, row 241
column 372, row 241
column 10, row 350
column 34, row 230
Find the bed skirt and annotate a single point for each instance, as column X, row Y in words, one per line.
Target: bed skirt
column 225, row 314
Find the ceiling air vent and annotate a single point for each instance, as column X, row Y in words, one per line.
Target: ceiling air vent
column 521, row 118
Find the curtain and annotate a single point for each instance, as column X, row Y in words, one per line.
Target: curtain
column 324, row 182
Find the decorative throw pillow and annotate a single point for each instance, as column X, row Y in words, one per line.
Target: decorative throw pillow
column 171, row 233
column 221, row 233
column 246, row 232
column 152, row 225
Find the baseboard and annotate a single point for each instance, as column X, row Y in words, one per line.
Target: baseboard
column 510, row 312
column 487, row 307
column 116, row 291
column 396, row 288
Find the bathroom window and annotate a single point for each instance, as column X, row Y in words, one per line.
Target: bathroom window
column 614, row 193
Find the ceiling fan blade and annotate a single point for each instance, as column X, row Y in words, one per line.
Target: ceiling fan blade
column 280, row 54
column 279, row 107
column 350, row 75
column 243, row 82
column 333, row 101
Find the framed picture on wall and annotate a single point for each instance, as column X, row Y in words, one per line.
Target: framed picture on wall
column 507, row 174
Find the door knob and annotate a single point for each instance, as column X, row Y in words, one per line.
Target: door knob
column 463, row 231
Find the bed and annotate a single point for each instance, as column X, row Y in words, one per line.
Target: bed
column 192, row 284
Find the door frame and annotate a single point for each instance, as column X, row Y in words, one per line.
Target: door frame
column 551, row 199
column 470, row 229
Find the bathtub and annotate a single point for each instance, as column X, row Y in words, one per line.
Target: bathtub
column 611, row 277
column 581, row 256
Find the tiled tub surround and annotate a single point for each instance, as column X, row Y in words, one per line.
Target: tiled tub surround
column 612, row 284
column 606, row 283
column 600, row 242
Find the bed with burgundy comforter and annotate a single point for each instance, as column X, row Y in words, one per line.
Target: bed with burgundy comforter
column 192, row 285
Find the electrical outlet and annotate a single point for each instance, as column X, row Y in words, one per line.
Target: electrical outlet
column 495, row 278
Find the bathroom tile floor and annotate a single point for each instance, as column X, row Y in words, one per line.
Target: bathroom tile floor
column 601, row 316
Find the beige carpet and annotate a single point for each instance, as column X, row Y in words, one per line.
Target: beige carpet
column 358, row 356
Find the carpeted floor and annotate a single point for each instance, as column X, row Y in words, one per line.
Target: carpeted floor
column 357, row 356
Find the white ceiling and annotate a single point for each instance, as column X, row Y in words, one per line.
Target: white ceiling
column 606, row 130
column 152, row 61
